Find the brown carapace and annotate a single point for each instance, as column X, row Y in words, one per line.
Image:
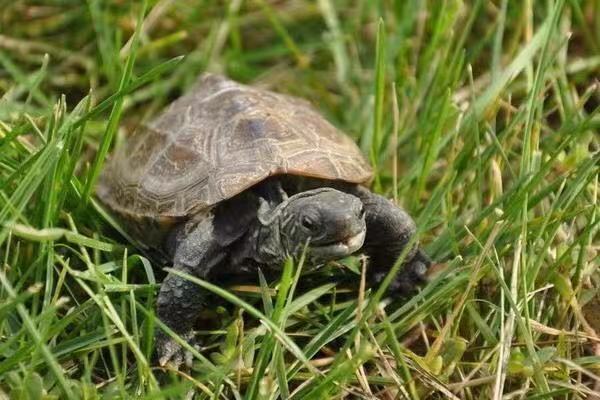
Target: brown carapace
column 216, row 141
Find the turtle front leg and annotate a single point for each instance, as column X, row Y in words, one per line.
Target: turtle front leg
column 389, row 230
column 196, row 252
column 178, row 304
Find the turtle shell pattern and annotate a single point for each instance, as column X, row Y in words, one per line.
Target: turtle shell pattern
column 218, row 140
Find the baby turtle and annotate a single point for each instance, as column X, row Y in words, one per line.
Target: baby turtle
column 232, row 178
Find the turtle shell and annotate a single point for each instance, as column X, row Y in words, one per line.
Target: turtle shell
column 218, row 140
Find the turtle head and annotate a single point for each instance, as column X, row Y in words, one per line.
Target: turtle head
column 330, row 221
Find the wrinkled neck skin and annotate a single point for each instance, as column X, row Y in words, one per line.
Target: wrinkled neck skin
column 270, row 249
column 262, row 243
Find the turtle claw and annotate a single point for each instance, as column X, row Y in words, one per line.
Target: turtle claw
column 189, row 357
column 171, row 353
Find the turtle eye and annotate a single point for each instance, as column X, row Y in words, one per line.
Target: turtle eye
column 308, row 223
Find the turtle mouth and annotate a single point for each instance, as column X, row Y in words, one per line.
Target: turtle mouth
column 340, row 248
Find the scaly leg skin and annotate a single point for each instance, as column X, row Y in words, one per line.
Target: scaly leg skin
column 197, row 252
column 389, row 229
column 178, row 304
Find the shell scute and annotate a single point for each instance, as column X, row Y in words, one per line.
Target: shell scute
column 219, row 139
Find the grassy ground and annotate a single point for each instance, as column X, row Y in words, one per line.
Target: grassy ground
column 480, row 117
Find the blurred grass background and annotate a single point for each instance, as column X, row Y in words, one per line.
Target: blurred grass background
column 479, row 117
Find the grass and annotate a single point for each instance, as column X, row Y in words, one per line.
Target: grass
column 480, row 117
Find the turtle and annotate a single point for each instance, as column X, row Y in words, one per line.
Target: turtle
column 231, row 178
